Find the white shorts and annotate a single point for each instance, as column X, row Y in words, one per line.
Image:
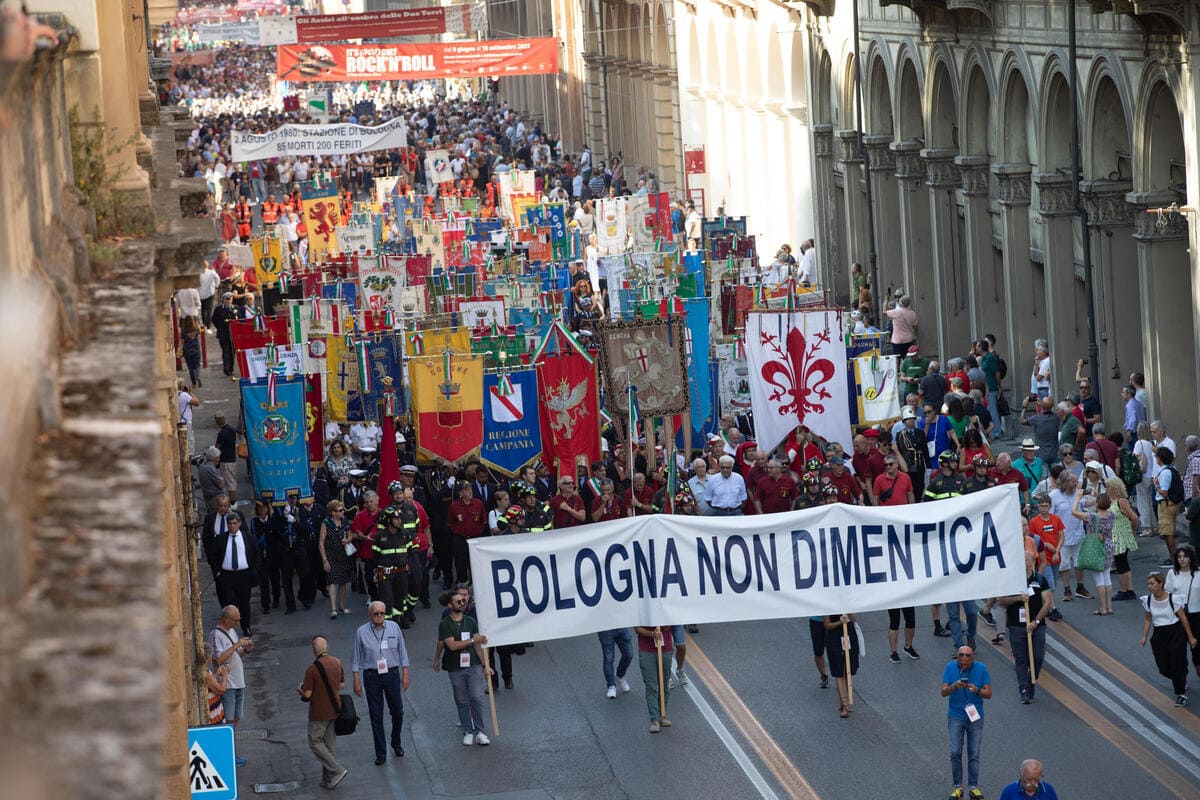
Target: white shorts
column 1068, row 557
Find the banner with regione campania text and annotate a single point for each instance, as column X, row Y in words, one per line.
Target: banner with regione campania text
column 496, row 58
column 668, row 570
column 319, row 140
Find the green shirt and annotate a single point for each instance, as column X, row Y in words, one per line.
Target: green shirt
column 1066, row 434
column 990, row 366
column 449, row 629
column 914, row 367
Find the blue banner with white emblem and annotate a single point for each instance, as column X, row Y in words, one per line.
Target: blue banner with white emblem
column 277, row 437
column 512, row 436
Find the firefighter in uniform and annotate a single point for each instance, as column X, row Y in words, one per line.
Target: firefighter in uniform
column 392, row 541
column 946, row 483
column 538, row 518
column 979, row 479
column 810, row 497
column 402, row 497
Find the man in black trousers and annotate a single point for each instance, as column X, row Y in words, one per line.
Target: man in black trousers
column 235, row 560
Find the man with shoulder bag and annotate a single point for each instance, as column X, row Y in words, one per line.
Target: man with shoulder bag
column 321, row 689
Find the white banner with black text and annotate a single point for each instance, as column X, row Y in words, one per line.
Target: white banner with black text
column 319, row 140
column 672, row 570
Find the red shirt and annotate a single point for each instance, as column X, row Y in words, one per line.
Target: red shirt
column 561, row 518
column 645, row 497
column 364, row 523
column 901, row 486
column 868, row 466
column 776, row 494
column 1051, row 532
column 848, row 489
column 646, row 643
column 467, row 519
column 1012, row 476
column 615, row 509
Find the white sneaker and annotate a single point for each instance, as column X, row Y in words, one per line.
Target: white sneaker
column 611, row 694
column 671, row 684
column 623, row 685
column 681, row 677
column 481, row 738
column 468, row 739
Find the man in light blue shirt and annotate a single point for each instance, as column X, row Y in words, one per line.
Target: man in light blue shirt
column 726, row 490
column 381, row 663
column 698, row 483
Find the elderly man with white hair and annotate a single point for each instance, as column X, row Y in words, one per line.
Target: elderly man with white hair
column 726, row 491
column 698, row 483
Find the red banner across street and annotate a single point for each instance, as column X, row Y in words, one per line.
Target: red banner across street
column 392, row 62
column 371, row 25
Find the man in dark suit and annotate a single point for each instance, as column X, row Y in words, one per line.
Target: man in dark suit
column 482, row 487
column 294, row 537
column 214, row 525
column 235, row 560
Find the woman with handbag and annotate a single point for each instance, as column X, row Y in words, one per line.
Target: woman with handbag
column 1172, row 633
column 1125, row 525
column 1096, row 552
column 337, row 556
column 1183, row 580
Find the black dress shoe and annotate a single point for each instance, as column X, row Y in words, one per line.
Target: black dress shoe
column 380, row 760
column 508, row 683
column 398, row 751
column 307, row 606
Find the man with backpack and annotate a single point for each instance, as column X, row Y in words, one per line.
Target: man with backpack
column 1168, row 490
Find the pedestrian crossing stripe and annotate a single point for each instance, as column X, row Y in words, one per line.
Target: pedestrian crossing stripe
column 204, row 776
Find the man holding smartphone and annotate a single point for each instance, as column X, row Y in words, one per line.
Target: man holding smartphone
column 967, row 684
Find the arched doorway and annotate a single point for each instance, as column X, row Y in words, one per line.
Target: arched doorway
column 1165, row 273
column 878, row 127
column 984, row 262
column 946, row 217
column 912, row 193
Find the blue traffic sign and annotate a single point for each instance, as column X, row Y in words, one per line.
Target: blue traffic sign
column 212, row 773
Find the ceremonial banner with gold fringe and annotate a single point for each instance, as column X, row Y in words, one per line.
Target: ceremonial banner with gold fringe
column 512, row 435
column 321, row 218
column 276, row 434
column 342, row 382
column 447, row 394
column 434, row 341
column 269, row 259
column 429, row 241
column 650, row 356
column 314, row 418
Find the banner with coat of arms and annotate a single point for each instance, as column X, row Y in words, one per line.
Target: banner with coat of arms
column 512, row 434
column 569, row 393
column 321, row 218
column 447, row 395
column 270, row 259
column 879, row 397
column 650, row 356
column 341, row 385
column 797, row 365
column 276, row 435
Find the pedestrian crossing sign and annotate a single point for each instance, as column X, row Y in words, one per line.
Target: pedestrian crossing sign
column 212, row 773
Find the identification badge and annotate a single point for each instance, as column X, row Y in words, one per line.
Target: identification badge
column 1021, row 615
column 464, row 660
column 845, row 642
column 1029, row 590
column 381, row 666
column 384, row 644
column 972, row 712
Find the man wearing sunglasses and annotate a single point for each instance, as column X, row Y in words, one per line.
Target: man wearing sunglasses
column 966, row 683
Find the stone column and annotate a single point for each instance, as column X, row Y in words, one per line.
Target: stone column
column 950, row 291
column 886, row 212
column 854, row 210
column 667, row 144
column 1118, row 313
column 595, row 118
column 825, row 208
column 984, row 292
column 1066, row 320
column 1168, row 318
column 913, row 241
column 1024, row 297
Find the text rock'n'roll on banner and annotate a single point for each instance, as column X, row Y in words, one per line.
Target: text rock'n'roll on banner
column 667, row 570
column 277, row 437
column 407, row 62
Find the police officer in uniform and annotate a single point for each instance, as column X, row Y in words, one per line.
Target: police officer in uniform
column 392, row 541
column 979, row 479
column 946, row 483
column 351, row 495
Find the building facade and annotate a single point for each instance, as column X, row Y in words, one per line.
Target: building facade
column 967, row 122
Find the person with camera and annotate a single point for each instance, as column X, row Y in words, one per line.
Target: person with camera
column 322, row 686
column 966, row 683
column 1045, row 424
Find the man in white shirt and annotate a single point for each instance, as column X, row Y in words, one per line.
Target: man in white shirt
column 726, row 491
column 365, row 434
column 227, row 646
column 209, row 281
column 188, row 303
column 808, row 262
column 692, row 226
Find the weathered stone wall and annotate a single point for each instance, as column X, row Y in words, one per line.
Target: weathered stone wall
column 100, row 677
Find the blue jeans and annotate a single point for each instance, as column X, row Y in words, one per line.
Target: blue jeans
column 955, row 624
column 973, row 731
column 468, row 686
column 609, row 642
column 993, row 403
column 233, row 700
column 381, row 688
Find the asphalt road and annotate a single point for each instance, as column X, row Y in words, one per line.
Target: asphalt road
column 753, row 722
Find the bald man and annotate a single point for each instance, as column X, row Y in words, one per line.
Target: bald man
column 1030, row 785
column 322, row 689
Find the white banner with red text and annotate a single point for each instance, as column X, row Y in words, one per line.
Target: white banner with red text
column 674, row 570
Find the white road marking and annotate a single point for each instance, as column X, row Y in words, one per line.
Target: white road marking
column 739, row 755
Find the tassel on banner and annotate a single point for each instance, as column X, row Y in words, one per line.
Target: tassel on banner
column 504, row 386
column 315, row 310
column 260, row 324
column 285, row 282
column 271, row 380
column 739, row 347
column 389, row 403
column 389, row 318
column 272, row 355
column 729, row 265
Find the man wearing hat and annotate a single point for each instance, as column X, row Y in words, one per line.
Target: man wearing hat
column 911, row 445
column 351, row 495
column 370, row 464
column 811, row 496
column 836, row 474
column 979, row 479
column 394, row 536
column 1030, row 466
column 221, row 317
column 408, row 476
column 945, row 483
